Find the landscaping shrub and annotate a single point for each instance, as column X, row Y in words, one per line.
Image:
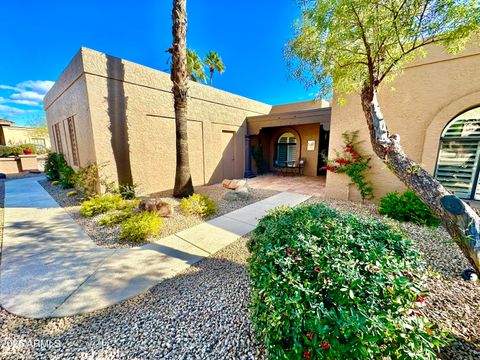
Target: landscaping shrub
column 127, row 192
column 140, row 226
column 87, row 180
column 103, row 203
column 326, row 285
column 57, row 169
column 30, row 147
column 115, row 217
column 200, row 205
column 407, row 207
column 6, row 151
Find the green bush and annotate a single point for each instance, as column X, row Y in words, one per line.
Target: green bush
column 115, row 217
column 331, row 286
column 55, row 164
column 6, row 151
column 200, row 205
column 140, row 226
column 407, row 207
column 103, row 203
column 67, row 175
column 127, row 192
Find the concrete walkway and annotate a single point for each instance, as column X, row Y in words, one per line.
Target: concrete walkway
column 51, row 268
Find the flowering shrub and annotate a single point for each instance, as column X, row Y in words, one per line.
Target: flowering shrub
column 352, row 163
column 407, row 207
column 326, row 285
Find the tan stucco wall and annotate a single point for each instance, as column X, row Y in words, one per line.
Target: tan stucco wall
column 425, row 98
column 15, row 135
column 107, row 90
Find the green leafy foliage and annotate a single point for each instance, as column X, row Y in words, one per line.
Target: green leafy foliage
column 353, row 163
column 6, row 151
column 199, row 205
column 30, row 147
column 57, row 168
column 127, row 192
column 103, row 203
column 326, row 285
column 116, row 217
column 407, row 207
column 140, row 226
column 346, row 44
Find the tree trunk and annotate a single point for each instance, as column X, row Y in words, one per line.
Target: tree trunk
column 460, row 220
column 211, row 75
column 179, row 75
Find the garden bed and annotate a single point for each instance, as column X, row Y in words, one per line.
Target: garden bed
column 108, row 236
column 452, row 302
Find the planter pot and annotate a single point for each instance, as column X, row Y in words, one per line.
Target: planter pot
column 27, row 151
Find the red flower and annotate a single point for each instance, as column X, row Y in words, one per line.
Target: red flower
column 316, row 269
column 309, row 336
column 299, row 261
column 295, row 254
column 306, row 354
column 288, row 251
column 408, row 275
column 325, row 346
column 420, row 299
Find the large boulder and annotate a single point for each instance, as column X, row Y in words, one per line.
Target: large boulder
column 155, row 205
column 234, row 184
column 241, row 193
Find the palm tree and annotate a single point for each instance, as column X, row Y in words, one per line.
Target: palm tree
column 195, row 66
column 179, row 75
column 214, row 62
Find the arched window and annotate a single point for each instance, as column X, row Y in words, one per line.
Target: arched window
column 458, row 159
column 286, row 149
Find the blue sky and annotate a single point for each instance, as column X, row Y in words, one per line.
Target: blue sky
column 39, row 38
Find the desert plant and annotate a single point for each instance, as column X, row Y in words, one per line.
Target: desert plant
column 103, row 203
column 407, row 207
column 67, row 175
column 326, row 285
column 115, row 217
column 140, row 226
column 128, row 192
column 199, row 205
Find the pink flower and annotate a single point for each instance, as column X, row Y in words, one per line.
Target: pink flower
column 325, row 346
column 288, row 251
column 309, row 336
column 306, row 354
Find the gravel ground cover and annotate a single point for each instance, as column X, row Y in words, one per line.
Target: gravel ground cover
column 108, row 236
column 202, row 313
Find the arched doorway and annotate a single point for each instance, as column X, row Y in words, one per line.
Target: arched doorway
column 458, row 158
column 286, row 149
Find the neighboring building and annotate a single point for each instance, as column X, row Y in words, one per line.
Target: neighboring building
column 110, row 111
column 16, row 135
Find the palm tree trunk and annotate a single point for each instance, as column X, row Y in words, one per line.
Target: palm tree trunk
column 179, row 75
column 211, row 75
column 462, row 223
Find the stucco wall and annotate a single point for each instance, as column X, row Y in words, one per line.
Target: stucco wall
column 417, row 106
column 15, row 135
column 127, row 113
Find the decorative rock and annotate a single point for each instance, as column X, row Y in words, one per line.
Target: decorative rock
column 233, row 184
column 241, row 193
column 157, row 206
column 469, row 275
column 226, row 183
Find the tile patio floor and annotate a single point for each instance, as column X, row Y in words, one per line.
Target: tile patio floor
column 307, row 185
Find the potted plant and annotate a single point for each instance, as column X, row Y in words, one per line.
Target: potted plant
column 27, row 151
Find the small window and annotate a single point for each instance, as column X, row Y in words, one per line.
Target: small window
column 286, row 149
column 38, row 141
column 58, row 137
column 73, row 140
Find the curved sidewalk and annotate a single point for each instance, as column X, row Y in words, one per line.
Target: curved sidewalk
column 51, row 268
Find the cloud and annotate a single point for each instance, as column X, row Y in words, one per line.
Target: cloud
column 10, row 110
column 38, row 86
column 27, row 95
column 8, row 87
column 20, row 102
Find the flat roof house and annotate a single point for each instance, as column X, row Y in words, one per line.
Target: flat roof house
column 110, row 111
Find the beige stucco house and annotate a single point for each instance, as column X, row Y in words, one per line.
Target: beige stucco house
column 110, row 111
column 10, row 134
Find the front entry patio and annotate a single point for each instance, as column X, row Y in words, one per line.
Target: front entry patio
column 307, row 185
